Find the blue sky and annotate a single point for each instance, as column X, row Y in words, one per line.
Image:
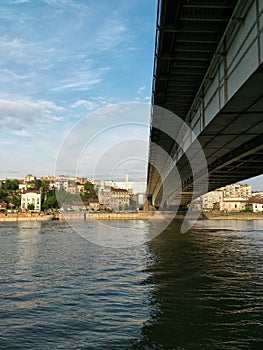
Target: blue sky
column 60, row 61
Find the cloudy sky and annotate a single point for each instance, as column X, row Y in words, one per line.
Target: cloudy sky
column 62, row 60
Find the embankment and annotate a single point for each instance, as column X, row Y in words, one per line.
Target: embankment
column 24, row 217
column 233, row 216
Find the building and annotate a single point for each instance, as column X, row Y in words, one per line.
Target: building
column 72, row 187
column 120, row 199
column 257, row 194
column 29, row 178
column 82, row 180
column 237, row 191
column 230, row 205
column 137, row 187
column 229, row 198
column 61, row 185
column 210, row 198
column 93, row 204
column 3, row 205
column 114, row 198
column 104, row 196
column 80, row 189
column 255, row 205
column 31, row 197
column 47, row 178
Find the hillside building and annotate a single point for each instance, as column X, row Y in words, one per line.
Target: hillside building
column 31, row 197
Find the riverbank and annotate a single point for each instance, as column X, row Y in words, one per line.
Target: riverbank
column 25, row 217
column 147, row 215
column 232, row 216
column 111, row 216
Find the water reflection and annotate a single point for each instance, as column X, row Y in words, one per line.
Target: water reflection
column 28, row 237
column 207, row 289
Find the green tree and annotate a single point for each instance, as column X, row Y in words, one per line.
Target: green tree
column 11, row 185
column 44, row 185
column 50, row 201
column 37, row 184
column 89, row 192
column 15, row 199
column 31, row 206
column 3, row 195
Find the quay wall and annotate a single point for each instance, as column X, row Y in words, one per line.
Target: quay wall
column 105, row 216
column 126, row 216
column 142, row 215
column 233, row 216
column 20, row 218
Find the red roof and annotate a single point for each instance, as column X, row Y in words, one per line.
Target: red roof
column 256, row 200
column 116, row 189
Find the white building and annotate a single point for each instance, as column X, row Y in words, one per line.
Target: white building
column 22, row 186
column 231, row 205
column 255, row 205
column 210, row 198
column 31, row 197
column 229, row 198
column 29, row 178
column 137, row 187
column 237, row 191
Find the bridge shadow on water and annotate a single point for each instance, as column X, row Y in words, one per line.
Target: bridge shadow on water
column 206, row 290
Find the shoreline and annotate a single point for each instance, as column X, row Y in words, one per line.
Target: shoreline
column 232, row 216
column 127, row 216
column 23, row 218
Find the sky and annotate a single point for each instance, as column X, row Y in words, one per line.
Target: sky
column 75, row 88
column 63, row 60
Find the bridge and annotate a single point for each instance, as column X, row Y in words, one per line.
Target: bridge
column 208, row 71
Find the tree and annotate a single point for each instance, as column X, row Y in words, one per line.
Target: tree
column 11, row 185
column 51, row 201
column 37, row 184
column 31, row 206
column 89, row 192
column 3, row 195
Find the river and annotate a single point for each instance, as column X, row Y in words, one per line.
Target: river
column 198, row 290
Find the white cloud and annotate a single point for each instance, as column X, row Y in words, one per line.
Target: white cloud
column 21, row 1
column 77, row 86
column 111, row 35
column 57, row 3
column 23, row 114
column 92, row 104
column 16, row 49
column 141, row 89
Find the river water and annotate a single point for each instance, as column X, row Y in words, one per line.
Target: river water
column 198, row 290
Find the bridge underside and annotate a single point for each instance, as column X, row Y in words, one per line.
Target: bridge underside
column 232, row 142
column 232, row 139
column 188, row 34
